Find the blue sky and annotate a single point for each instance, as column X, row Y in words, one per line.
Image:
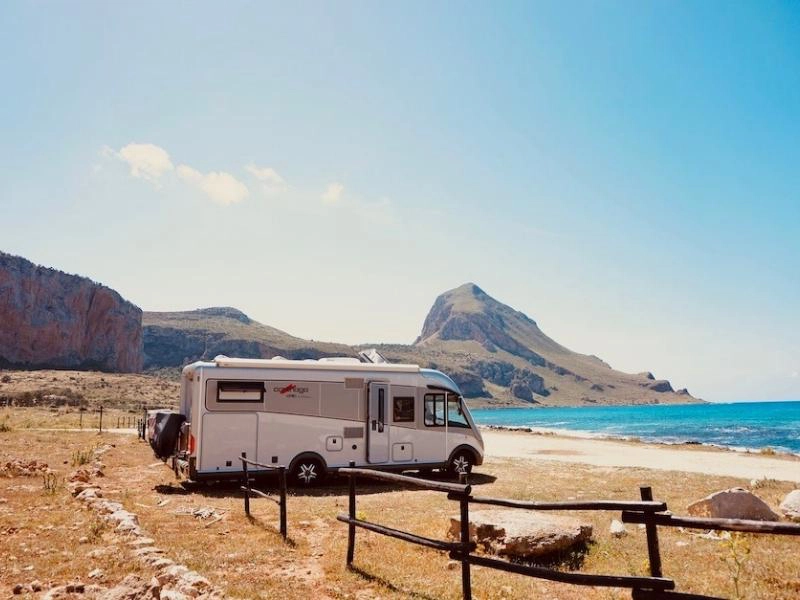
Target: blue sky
column 626, row 173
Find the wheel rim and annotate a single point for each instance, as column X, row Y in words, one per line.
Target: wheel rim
column 461, row 464
column 307, row 473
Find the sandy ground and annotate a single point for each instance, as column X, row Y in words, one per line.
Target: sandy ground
column 609, row 453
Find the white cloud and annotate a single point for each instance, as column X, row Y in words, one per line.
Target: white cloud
column 795, row 374
column 146, row 161
column 333, row 193
column 270, row 179
column 223, row 188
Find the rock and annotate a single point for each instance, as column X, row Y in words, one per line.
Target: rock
column 23, row 468
column 89, row 493
column 171, row 574
column 617, row 528
column 790, row 507
column 80, row 475
column 95, row 574
column 81, row 325
column 172, row 595
column 734, row 503
column 19, row 589
column 660, row 386
column 452, row 565
column 132, row 587
column 521, row 534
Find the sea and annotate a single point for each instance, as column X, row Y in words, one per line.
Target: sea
column 742, row 426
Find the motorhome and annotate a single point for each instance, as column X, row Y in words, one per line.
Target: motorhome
column 314, row 416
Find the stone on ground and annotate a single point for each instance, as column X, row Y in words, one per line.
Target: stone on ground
column 617, row 528
column 522, row 534
column 790, row 507
column 734, row 503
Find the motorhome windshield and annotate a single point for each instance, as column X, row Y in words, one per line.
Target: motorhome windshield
column 456, row 416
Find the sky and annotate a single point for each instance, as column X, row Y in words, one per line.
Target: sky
column 625, row 173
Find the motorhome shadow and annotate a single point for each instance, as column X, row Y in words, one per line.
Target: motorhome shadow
column 314, row 416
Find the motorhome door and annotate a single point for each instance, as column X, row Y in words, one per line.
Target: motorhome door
column 377, row 423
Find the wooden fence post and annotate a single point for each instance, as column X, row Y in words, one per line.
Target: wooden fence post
column 652, row 535
column 246, row 486
column 282, row 480
column 466, row 583
column 351, row 530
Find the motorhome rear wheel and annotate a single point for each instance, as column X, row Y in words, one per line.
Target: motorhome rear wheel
column 307, row 472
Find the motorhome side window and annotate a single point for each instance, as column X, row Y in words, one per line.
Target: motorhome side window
column 434, row 410
column 403, row 409
column 240, row 391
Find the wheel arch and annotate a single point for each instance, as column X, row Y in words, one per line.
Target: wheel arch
column 306, row 455
column 476, row 459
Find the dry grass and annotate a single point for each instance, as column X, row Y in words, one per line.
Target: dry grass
column 122, row 396
column 93, row 388
column 249, row 559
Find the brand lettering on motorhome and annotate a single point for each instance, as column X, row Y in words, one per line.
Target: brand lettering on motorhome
column 290, row 388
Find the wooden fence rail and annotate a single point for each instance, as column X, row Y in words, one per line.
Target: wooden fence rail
column 249, row 491
column 648, row 512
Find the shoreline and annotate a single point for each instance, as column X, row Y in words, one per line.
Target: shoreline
column 627, row 454
column 582, row 434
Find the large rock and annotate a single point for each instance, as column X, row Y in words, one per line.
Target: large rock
column 790, row 507
column 55, row 320
column 522, row 534
column 735, row 503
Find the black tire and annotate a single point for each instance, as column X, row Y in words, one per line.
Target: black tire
column 462, row 462
column 307, row 472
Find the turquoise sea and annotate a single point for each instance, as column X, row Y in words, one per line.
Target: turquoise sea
column 739, row 425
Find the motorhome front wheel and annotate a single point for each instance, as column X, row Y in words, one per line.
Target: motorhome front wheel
column 462, row 463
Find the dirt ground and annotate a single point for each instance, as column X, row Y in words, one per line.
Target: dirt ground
column 48, row 536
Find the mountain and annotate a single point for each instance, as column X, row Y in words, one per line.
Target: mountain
column 173, row 339
column 495, row 353
column 50, row 319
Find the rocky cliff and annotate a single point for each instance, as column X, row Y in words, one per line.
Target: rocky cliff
column 49, row 319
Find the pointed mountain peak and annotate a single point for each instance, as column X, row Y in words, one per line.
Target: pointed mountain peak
column 467, row 313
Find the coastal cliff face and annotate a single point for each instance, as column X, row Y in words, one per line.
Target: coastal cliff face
column 49, row 319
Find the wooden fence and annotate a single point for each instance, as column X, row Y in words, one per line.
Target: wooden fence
column 249, row 491
column 645, row 511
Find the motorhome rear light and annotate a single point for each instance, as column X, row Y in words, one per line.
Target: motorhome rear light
column 191, row 444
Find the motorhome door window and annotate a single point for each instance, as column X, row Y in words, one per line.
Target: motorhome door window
column 381, row 408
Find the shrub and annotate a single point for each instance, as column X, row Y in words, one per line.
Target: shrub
column 82, row 457
column 51, row 483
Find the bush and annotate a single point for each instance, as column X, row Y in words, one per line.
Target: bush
column 51, row 483
column 82, row 457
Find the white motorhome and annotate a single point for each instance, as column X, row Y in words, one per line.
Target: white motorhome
column 315, row 416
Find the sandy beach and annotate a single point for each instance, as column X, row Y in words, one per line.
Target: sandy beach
column 613, row 453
